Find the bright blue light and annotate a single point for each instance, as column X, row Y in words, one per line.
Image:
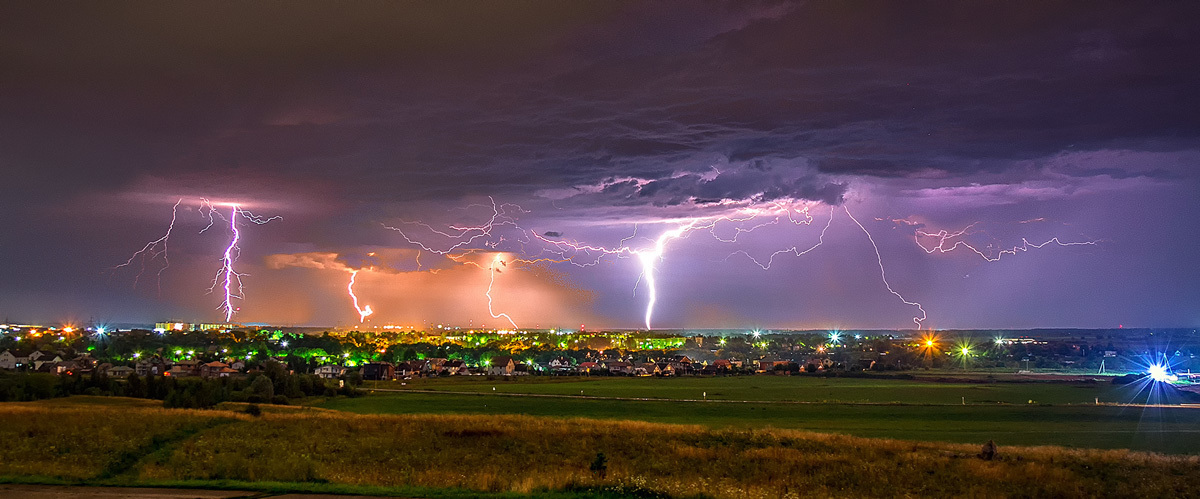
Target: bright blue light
column 1161, row 373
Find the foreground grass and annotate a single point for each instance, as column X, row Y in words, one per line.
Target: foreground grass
column 1158, row 429
column 464, row 455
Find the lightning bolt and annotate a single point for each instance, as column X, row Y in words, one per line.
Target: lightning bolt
column 944, row 236
column 228, row 279
column 153, row 250
column 364, row 311
column 492, row 271
column 468, row 239
column 648, row 259
column 794, row 249
column 883, row 272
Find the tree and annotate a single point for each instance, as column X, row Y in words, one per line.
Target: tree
column 262, row 387
column 134, row 386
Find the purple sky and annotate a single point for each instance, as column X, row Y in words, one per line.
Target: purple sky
column 606, row 124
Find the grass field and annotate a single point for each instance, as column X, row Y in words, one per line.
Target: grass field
column 902, row 409
column 785, row 388
column 504, row 455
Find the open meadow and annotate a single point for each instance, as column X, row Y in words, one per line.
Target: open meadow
column 310, row 449
column 784, row 388
column 1061, row 413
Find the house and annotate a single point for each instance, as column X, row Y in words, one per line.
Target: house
column 586, row 367
column 766, row 366
column 59, row 367
column 435, row 364
column 722, row 365
column 150, row 367
column 120, row 372
column 645, row 369
column 9, row 360
column 190, row 366
column 85, row 361
column 560, row 363
column 375, row 371
column 453, row 366
column 179, row 371
column 665, row 369
column 408, row 368
column 213, row 369
column 237, row 365
column 39, row 360
column 503, row 366
column 418, row 366
column 618, row 367
column 331, row 371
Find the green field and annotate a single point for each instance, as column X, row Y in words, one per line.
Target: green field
column 784, row 388
column 911, row 410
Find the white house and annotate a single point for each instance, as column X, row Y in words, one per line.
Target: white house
column 330, row 371
column 10, row 361
column 44, row 359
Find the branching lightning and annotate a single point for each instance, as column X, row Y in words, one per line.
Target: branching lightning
column 152, row 250
column 943, row 237
column 463, row 240
column 228, row 279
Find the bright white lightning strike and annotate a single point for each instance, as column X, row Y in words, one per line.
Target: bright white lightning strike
column 464, row 239
column 364, row 311
column 226, row 277
column 492, row 271
column 649, row 257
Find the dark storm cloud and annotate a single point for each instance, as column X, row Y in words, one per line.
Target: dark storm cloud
column 444, row 100
column 340, row 117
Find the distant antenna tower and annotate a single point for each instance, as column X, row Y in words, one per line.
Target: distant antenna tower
column 1101, row 367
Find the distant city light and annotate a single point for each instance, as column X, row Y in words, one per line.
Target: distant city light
column 835, row 337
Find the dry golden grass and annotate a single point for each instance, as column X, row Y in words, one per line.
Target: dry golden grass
column 81, row 441
column 528, row 454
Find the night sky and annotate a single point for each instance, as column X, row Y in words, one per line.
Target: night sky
column 763, row 126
